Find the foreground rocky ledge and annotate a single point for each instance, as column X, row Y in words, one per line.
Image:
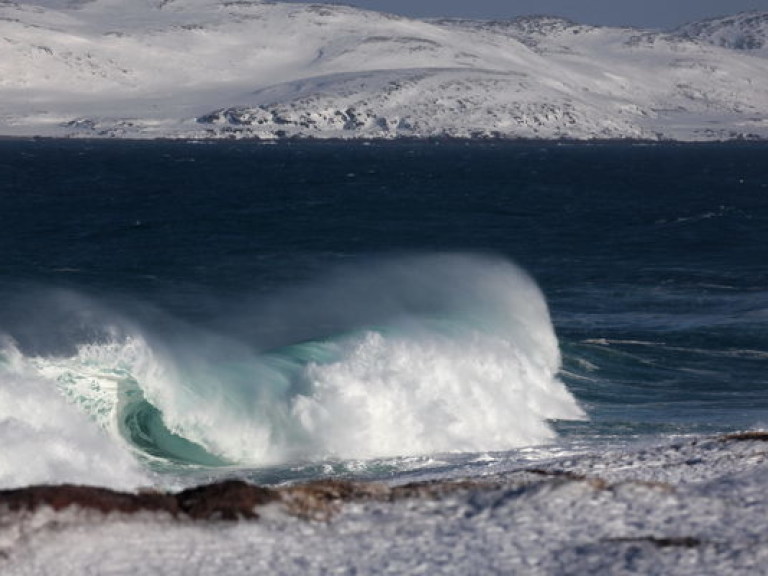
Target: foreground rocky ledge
column 691, row 506
column 229, row 499
column 236, row 499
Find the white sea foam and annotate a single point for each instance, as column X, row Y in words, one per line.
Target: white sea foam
column 45, row 439
column 421, row 395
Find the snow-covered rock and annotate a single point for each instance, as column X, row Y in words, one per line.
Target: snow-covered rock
column 241, row 68
column 747, row 31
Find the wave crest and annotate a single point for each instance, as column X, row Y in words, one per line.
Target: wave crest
column 410, row 356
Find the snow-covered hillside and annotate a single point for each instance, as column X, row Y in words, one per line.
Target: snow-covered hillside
column 241, row 68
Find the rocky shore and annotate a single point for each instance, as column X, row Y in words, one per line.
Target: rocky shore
column 693, row 506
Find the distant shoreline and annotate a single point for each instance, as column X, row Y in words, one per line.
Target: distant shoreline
column 434, row 140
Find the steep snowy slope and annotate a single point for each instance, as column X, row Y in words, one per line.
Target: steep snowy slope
column 239, row 68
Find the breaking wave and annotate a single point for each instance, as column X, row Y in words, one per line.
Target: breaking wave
column 409, row 356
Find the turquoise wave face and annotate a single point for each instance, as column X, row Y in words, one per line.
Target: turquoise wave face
column 141, row 424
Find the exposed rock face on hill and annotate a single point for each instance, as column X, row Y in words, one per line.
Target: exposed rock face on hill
column 218, row 68
column 747, row 31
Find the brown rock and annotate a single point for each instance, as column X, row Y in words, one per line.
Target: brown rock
column 322, row 499
column 228, row 500
column 87, row 497
column 757, row 435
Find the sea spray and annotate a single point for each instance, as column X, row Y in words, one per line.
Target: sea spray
column 403, row 356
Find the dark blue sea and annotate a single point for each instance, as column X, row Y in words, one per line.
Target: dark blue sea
column 304, row 309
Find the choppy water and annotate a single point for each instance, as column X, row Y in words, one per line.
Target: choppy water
column 303, row 309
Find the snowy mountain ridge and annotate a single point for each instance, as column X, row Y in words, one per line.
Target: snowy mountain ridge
column 240, row 68
column 747, row 31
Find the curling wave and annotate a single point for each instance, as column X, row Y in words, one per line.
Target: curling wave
column 409, row 356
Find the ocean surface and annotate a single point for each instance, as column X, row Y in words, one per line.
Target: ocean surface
column 174, row 312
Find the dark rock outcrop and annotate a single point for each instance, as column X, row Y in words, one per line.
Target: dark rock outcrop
column 230, row 499
column 754, row 435
column 86, row 497
column 227, row 500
